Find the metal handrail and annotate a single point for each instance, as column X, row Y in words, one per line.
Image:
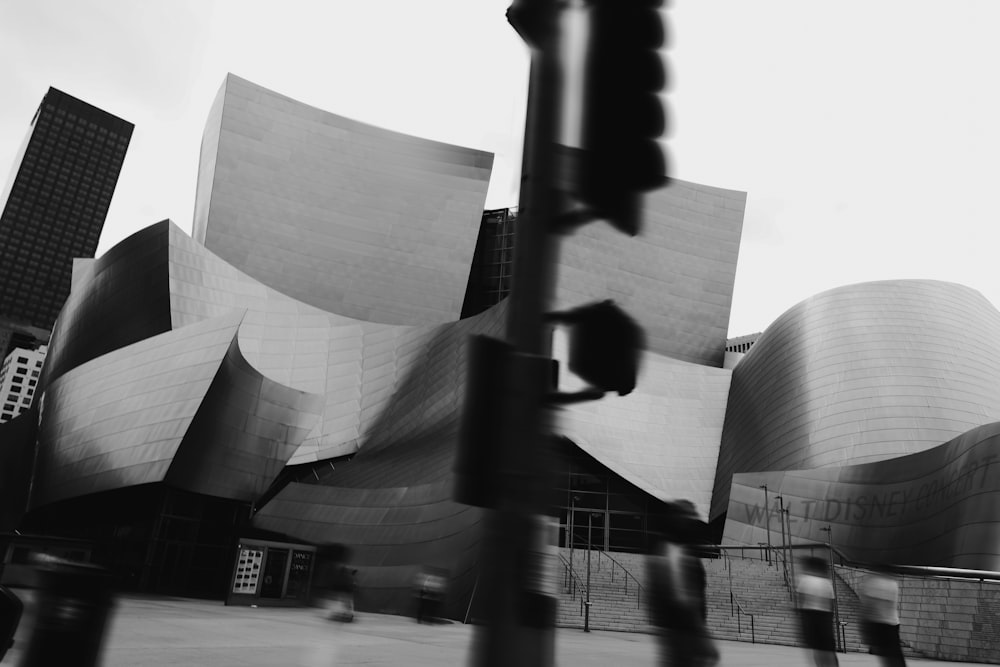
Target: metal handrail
column 843, row 560
column 740, row 610
column 638, row 584
column 571, row 580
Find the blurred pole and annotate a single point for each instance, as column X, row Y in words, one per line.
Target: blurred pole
column 767, row 513
column 520, row 621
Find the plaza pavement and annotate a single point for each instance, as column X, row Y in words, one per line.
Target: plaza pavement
column 147, row 631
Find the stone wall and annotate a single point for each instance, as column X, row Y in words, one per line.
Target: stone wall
column 946, row 619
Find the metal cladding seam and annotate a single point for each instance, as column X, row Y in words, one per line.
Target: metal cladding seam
column 862, row 373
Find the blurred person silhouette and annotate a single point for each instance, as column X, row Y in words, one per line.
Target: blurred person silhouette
column 345, row 583
column 333, row 583
column 429, row 590
column 72, row 608
column 677, row 597
column 329, row 594
column 880, row 612
column 815, row 602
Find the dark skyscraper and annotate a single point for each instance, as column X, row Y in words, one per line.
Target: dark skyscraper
column 490, row 276
column 55, row 202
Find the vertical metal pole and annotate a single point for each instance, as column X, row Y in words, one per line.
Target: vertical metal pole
column 590, row 547
column 607, row 518
column 833, row 583
column 572, row 539
column 784, row 546
column 791, row 552
column 767, row 513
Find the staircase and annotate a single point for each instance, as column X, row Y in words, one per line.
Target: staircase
column 758, row 590
column 617, row 592
column 618, row 599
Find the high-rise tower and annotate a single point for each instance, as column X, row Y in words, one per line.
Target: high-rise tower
column 55, row 202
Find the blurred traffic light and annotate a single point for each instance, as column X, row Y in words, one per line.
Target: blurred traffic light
column 623, row 115
column 605, row 345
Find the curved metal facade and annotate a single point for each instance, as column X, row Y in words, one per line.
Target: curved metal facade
column 392, row 503
column 247, row 380
column 859, row 374
column 664, row 436
column 350, row 218
column 312, row 318
column 676, row 279
column 937, row 507
column 182, row 407
column 132, row 278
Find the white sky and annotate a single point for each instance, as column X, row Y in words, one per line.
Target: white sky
column 865, row 132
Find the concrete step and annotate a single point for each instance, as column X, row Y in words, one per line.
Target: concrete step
column 760, row 589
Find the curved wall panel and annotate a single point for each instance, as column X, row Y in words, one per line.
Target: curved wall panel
column 862, row 373
column 392, row 503
column 937, row 507
column 664, row 436
column 676, row 278
column 119, row 419
column 356, row 365
column 245, row 430
column 350, row 218
column 130, row 279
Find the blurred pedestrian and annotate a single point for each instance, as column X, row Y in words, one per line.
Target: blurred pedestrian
column 345, row 583
column 429, row 589
column 333, row 583
column 815, row 602
column 880, row 609
column 677, row 597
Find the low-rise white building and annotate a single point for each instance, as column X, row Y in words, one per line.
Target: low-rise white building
column 18, row 380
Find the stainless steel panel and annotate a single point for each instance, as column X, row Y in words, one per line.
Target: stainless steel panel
column 306, row 201
column 937, row 507
column 862, row 373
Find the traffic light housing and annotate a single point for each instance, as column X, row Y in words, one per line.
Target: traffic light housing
column 623, row 115
column 605, row 345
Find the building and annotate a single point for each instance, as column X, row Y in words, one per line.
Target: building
column 289, row 194
column 55, row 203
column 15, row 334
column 191, row 403
column 742, row 344
column 18, row 381
column 492, row 270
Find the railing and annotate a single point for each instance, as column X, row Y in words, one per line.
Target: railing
column 570, row 581
column 777, row 557
column 736, row 609
column 628, row 575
